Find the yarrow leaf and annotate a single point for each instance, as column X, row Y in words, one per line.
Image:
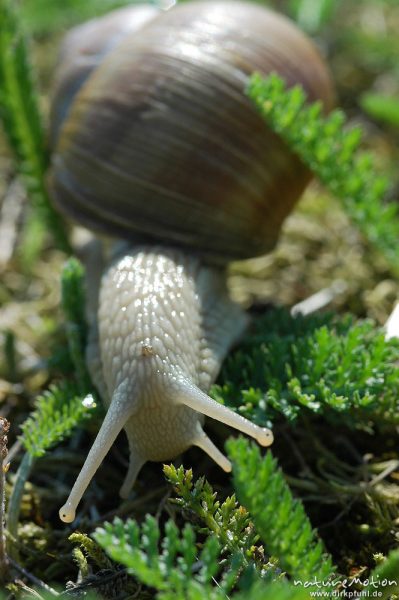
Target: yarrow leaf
column 73, row 304
column 335, row 366
column 280, row 519
column 227, row 520
column 332, row 153
column 177, row 563
column 20, row 115
column 57, row 412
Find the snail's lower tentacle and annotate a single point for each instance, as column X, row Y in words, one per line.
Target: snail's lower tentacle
column 192, row 396
column 135, row 464
column 119, row 411
column 206, row 444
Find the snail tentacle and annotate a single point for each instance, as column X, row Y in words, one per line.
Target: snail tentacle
column 135, row 464
column 190, row 395
column 206, row 444
column 119, row 411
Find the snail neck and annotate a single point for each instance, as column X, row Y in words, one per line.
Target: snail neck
column 162, row 304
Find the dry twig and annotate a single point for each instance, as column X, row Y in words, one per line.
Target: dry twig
column 4, row 427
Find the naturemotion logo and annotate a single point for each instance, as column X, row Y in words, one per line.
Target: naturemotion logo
column 347, row 588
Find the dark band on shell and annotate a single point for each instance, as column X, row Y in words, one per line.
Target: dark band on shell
column 162, row 144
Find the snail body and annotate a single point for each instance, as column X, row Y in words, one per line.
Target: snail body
column 160, row 146
column 163, row 337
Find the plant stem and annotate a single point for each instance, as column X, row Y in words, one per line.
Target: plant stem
column 14, row 507
column 34, row 579
column 4, row 427
column 21, row 119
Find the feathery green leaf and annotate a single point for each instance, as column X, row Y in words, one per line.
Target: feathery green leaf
column 91, row 549
column 175, row 564
column 382, row 108
column 73, row 304
column 229, row 522
column 332, row 153
column 385, row 577
column 280, row 520
column 58, row 411
column 19, row 112
column 274, row 591
column 327, row 365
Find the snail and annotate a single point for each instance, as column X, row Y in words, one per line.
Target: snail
column 156, row 144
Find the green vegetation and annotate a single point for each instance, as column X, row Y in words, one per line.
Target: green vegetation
column 280, row 520
column 331, row 152
column 21, row 119
column 322, row 364
column 382, row 108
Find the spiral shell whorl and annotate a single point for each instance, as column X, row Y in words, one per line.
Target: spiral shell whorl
column 162, row 143
column 83, row 49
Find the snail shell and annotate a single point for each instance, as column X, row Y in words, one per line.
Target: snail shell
column 175, row 88
column 84, row 48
